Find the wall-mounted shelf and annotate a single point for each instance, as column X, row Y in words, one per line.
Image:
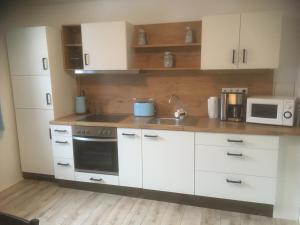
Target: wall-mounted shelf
column 167, row 45
column 72, row 47
column 167, row 37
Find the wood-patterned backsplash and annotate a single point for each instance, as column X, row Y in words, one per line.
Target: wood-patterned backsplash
column 114, row 93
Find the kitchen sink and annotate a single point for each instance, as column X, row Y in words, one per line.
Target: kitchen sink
column 188, row 121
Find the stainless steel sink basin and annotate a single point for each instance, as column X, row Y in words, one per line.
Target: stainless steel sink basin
column 188, row 121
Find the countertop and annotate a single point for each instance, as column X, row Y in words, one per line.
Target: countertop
column 203, row 124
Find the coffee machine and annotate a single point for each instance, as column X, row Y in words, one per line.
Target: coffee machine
column 233, row 104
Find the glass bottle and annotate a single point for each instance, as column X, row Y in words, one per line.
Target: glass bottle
column 142, row 37
column 168, row 60
column 189, row 36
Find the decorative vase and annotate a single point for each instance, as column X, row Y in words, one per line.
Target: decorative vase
column 142, row 37
column 189, row 36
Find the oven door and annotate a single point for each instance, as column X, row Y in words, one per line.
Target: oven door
column 96, row 155
column 265, row 111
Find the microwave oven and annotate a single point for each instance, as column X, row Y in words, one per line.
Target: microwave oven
column 271, row 110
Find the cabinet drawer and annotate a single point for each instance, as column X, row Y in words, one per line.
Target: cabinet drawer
column 257, row 162
column 236, row 140
column 62, row 131
column 235, row 187
column 97, row 178
column 62, row 147
column 64, row 169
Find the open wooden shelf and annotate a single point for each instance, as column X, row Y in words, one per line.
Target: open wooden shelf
column 167, row 37
column 167, row 45
column 72, row 47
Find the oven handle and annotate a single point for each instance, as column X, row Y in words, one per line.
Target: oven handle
column 94, row 139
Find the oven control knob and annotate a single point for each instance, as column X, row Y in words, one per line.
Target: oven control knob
column 106, row 132
column 86, row 132
column 287, row 115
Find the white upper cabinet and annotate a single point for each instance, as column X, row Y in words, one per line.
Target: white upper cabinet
column 28, row 51
column 220, row 42
column 106, row 45
column 260, row 40
column 168, row 161
column 241, row 41
column 32, row 92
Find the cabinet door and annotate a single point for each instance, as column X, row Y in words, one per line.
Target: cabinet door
column 168, row 161
column 32, row 92
column 130, row 157
column 34, row 140
column 260, row 40
column 104, row 46
column 28, row 51
column 220, row 42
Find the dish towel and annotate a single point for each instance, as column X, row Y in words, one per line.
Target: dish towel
column 1, row 121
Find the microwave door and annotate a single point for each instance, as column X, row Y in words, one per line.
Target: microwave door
column 266, row 111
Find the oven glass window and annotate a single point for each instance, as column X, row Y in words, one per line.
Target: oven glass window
column 96, row 156
column 264, row 111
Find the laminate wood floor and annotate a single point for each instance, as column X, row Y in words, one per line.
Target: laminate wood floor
column 55, row 205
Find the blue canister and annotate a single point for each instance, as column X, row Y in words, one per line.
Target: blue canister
column 143, row 107
column 80, row 105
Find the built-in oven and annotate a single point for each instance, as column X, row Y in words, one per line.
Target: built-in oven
column 95, row 149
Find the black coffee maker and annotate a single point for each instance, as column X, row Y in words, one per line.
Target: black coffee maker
column 233, row 105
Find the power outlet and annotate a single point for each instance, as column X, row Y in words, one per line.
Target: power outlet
column 235, row 90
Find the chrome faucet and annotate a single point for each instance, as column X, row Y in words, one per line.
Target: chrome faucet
column 180, row 113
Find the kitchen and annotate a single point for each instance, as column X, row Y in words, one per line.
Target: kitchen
column 182, row 153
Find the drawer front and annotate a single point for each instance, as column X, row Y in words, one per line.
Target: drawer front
column 62, row 147
column 62, row 131
column 257, row 162
column 97, row 178
column 221, row 185
column 236, row 140
column 64, row 169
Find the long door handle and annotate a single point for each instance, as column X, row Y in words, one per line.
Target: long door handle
column 235, row 141
column 61, row 142
column 234, row 154
column 45, row 63
column 48, row 99
column 63, row 164
column 150, row 136
column 244, row 55
column 94, row 179
column 86, row 59
column 233, row 56
column 127, row 134
column 234, row 181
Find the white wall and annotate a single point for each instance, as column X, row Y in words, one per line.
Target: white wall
column 10, row 172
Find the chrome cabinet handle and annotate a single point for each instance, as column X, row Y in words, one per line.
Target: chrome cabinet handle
column 244, row 55
column 235, row 141
column 63, row 164
column 126, row 134
column 45, row 63
column 61, row 142
column 94, row 179
column 234, row 181
column 60, row 131
column 48, row 99
column 234, row 154
column 233, row 56
column 86, row 59
column 150, row 136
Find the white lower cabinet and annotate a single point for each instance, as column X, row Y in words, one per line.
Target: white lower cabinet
column 64, row 168
column 130, row 157
column 97, row 178
column 62, row 150
column 168, row 161
column 235, row 187
column 236, row 167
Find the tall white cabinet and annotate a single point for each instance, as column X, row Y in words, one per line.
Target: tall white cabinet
column 38, row 81
column 241, row 41
column 106, row 45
